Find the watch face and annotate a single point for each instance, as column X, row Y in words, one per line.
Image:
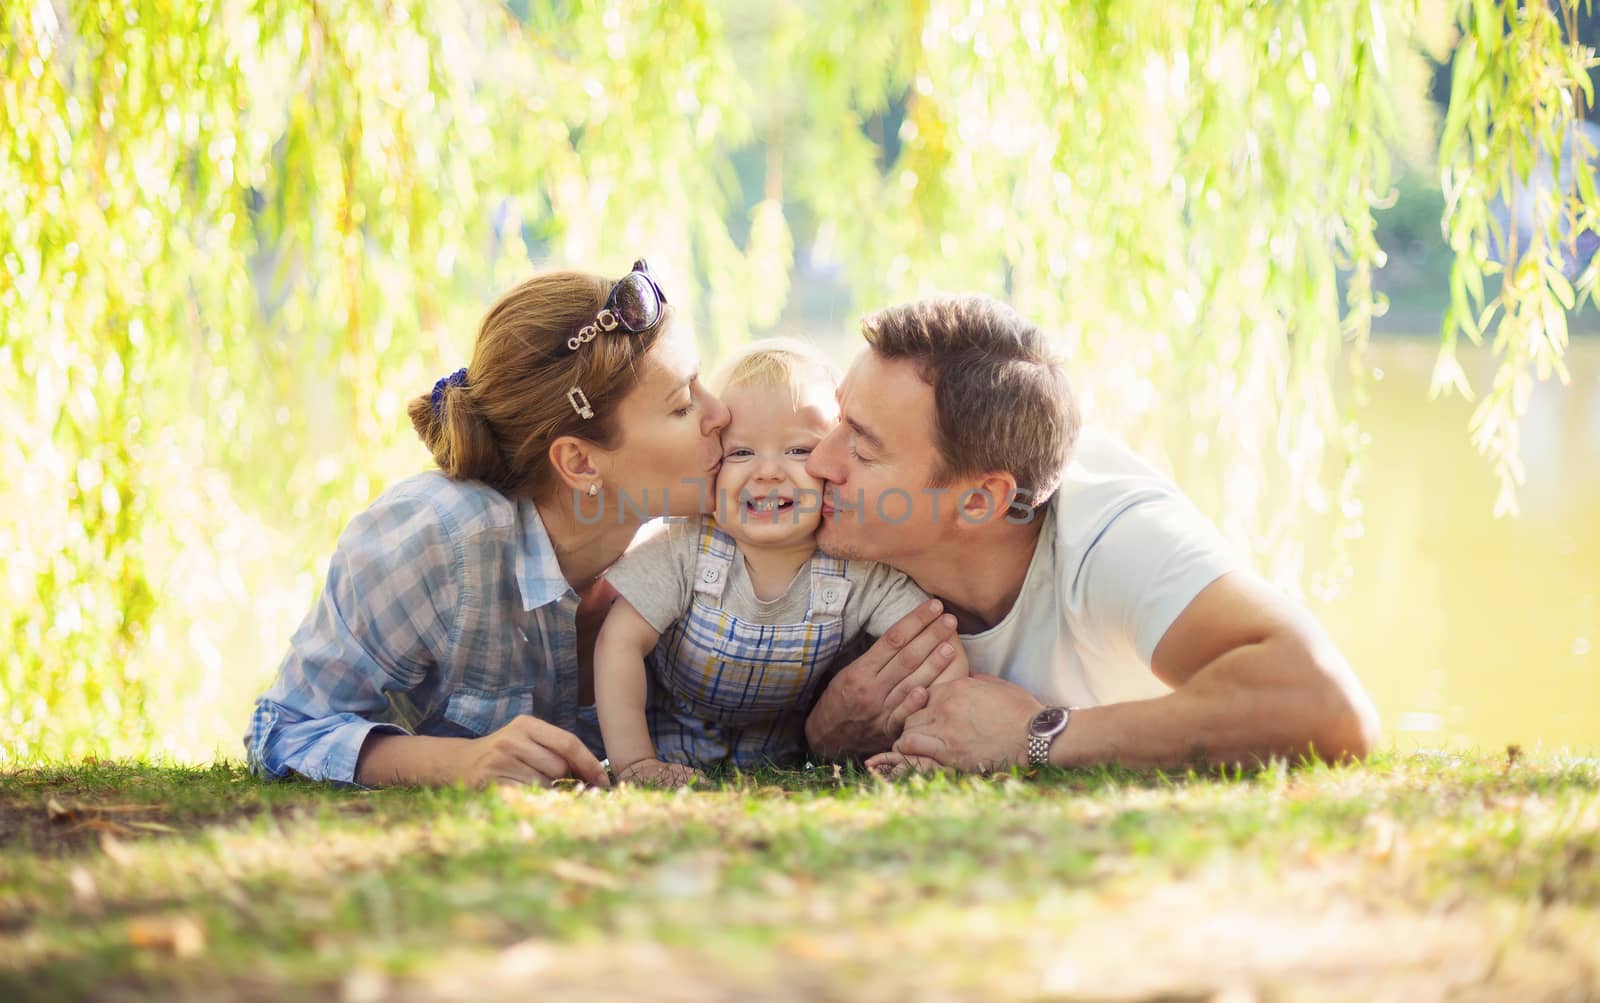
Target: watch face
column 1048, row 721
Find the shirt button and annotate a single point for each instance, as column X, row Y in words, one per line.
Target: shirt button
column 709, row 575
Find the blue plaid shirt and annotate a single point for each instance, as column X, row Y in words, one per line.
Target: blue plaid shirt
column 445, row 613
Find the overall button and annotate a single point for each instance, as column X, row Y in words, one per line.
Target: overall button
column 829, row 595
column 709, row 575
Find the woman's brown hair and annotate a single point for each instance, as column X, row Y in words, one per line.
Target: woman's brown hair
column 498, row 426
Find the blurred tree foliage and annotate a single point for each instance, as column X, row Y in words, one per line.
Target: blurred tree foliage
column 236, row 235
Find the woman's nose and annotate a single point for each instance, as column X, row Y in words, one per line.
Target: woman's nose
column 715, row 414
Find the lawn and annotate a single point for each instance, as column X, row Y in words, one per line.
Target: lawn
column 1413, row 877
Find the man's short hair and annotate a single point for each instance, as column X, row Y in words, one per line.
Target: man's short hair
column 1001, row 399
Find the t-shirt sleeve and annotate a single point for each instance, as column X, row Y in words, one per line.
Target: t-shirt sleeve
column 654, row 575
column 1143, row 569
column 880, row 596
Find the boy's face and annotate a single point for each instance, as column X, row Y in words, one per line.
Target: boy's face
column 765, row 498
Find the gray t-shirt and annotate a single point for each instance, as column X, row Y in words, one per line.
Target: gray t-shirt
column 656, row 577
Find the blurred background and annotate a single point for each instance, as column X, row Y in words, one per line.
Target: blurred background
column 236, row 236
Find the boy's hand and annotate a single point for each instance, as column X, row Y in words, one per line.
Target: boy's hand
column 655, row 773
column 894, row 765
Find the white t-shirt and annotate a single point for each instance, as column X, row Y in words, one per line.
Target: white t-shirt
column 1121, row 554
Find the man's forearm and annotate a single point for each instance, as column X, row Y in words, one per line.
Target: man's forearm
column 1275, row 698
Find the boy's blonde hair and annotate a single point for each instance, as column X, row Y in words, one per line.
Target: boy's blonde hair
column 778, row 364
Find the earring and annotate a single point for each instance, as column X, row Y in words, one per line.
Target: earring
column 594, row 489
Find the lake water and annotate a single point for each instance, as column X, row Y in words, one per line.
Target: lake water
column 1472, row 631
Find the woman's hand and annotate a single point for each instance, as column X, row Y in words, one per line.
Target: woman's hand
column 655, row 773
column 527, row 751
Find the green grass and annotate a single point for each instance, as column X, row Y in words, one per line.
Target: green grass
column 1420, row 876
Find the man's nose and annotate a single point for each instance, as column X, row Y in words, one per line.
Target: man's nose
column 824, row 462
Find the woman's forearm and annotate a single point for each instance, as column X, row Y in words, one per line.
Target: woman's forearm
column 389, row 760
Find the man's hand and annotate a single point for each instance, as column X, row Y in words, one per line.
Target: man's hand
column 975, row 724
column 527, row 751
column 867, row 703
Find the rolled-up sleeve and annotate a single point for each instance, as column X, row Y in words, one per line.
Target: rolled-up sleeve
column 387, row 616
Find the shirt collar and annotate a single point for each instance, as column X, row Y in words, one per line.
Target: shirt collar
column 539, row 576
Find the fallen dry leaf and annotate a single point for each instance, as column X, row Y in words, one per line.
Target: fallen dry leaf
column 1513, row 753
column 84, row 890
column 115, row 850
column 59, row 814
column 810, row 947
column 180, row 936
column 583, row 874
column 104, row 826
column 153, row 826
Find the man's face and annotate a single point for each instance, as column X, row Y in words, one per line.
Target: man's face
column 877, row 463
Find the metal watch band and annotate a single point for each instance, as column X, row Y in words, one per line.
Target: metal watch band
column 1039, row 750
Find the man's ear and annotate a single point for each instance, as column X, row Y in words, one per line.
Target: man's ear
column 577, row 463
column 984, row 500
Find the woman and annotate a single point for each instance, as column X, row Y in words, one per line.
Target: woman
column 452, row 641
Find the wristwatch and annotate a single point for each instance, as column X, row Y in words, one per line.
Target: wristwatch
column 1042, row 732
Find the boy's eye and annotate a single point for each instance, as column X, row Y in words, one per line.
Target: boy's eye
column 800, row 451
column 736, row 454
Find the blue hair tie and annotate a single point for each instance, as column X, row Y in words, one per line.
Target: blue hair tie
column 455, row 379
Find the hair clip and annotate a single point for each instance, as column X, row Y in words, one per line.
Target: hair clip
column 583, row 337
column 580, row 403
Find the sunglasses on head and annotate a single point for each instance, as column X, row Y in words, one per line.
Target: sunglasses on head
column 634, row 306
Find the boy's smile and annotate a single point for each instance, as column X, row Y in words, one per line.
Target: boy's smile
column 765, row 498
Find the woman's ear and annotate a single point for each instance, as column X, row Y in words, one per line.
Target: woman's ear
column 577, row 463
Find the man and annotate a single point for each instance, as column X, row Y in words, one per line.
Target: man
column 1104, row 618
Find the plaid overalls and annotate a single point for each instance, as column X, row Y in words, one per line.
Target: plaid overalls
column 724, row 691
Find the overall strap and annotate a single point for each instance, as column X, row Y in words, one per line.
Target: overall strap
column 829, row 587
column 713, row 560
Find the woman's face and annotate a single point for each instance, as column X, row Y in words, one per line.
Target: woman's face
column 671, row 438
